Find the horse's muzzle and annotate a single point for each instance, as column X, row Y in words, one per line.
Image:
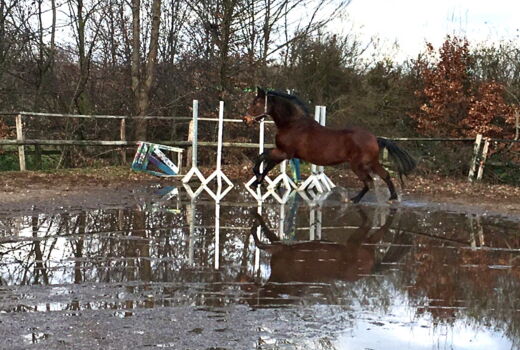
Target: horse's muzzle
column 249, row 120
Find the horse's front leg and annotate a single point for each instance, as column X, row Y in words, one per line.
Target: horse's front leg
column 270, row 159
column 256, row 168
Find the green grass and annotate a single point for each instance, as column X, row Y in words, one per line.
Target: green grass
column 9, row 162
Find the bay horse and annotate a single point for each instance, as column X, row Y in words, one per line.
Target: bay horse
column 300, row 136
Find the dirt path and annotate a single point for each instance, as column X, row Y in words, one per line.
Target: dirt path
column 117, row 186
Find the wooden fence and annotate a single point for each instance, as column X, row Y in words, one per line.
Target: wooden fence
column 479, row 153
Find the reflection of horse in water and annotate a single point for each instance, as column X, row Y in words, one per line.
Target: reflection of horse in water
column 308, row 268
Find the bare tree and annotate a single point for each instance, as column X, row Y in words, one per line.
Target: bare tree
column 46, row 53
column 175, row 16
column 83, row 19
column 143, row 77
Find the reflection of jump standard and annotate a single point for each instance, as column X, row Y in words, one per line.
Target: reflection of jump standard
column 315, row 217
column 218, row 174
column 217, row 234
column 190, row 216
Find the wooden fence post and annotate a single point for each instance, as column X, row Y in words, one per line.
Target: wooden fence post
column 19, row 137
column 485, row 150
column 122, row 133
column 476, row 149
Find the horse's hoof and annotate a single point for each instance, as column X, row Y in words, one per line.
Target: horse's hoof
column 392, row 200
column 355, row 200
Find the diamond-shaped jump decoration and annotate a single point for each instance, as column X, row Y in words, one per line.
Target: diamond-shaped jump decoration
column 256, row 193
column 280, row 199
column 326, row 181
column 193, row 171
column 218, row 175
column 191, row 193
column 313, row 181
column 283, row 179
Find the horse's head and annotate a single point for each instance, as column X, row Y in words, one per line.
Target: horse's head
column 256, row 109
column 280, row 106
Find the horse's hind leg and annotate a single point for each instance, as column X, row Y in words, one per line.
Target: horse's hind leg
column 269, row 234
column 364, row 176
column 379, row 170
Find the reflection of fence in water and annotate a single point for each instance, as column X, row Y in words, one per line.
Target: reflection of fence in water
column 68, row 248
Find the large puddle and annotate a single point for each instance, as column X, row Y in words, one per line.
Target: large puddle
column 195, row 274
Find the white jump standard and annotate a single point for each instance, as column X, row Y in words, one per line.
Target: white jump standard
column 218, row 174
column 194, row 169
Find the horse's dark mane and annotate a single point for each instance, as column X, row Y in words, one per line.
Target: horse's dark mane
column 293, row 99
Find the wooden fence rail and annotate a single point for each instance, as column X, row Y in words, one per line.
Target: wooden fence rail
column 20, row 141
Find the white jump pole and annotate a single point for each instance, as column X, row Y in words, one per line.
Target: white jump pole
column 485, row 150
column 283, row 178
column 218, row 174
column 194, row 169
column 194, row 152
column 476, row 151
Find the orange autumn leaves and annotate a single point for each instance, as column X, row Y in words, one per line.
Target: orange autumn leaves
column 455, row 101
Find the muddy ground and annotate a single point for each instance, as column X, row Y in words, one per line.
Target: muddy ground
column 116, row 186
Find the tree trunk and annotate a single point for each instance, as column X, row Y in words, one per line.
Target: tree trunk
column 142, row 83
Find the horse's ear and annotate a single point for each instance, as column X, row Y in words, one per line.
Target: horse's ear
column 260, row 92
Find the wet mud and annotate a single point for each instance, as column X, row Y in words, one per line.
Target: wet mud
column 168, row 271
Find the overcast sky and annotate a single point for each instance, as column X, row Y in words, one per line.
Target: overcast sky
column 413, row 22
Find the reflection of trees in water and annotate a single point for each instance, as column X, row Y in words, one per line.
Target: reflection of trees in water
column 142, row 259
column 145, row 252
column 453, row 280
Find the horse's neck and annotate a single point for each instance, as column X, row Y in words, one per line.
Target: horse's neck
column 286, row 121
column 283, row 113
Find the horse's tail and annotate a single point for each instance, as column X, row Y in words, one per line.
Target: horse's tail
column 404, row 161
